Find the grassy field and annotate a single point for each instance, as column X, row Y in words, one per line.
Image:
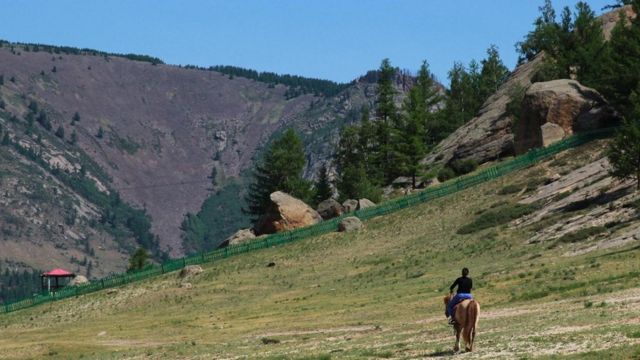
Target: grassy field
column 370, row 294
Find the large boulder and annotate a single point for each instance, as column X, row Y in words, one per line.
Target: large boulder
column 365, row 203
column 487, row 136
column 350, row 205
column 240, row 236
column 286, row 213
column 349, row 224
column 189, row 271
column 330, row 209
column 78, row 280
column 555, row 109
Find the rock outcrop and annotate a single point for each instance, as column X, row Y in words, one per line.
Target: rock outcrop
column 240, row 236
column 190, row 271
column 330, row 209
column 365, row 203
column 610, row 19
column 286, row 213
column 78, row 280
column 349, row 224
column 350, row 205
column 555, row 109
column 488, row 136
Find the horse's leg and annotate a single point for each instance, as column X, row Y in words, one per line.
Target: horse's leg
column 456, row 348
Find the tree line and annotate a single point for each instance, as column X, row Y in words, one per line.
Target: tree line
column 70, row 50
column 298, row 84
column 392, row 140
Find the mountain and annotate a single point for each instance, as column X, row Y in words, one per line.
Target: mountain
column 152, row 134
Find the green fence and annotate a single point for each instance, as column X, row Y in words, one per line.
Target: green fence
column 447, row 188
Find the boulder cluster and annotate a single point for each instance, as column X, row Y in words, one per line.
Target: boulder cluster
column 287, row 213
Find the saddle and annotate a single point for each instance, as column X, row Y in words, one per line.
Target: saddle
column 452, row 318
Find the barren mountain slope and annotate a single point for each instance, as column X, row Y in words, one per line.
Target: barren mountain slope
column 165, row 127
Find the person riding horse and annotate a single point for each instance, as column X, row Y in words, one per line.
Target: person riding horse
column 464, row 284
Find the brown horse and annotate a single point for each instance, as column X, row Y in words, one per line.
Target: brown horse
column 467, row 313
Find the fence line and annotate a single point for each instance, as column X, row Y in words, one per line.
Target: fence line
column 445, row 189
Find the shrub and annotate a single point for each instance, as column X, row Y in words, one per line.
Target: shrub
column 579, row 235
column 509, row 189
column 497, row 216
column 461, row 167
column 445, row 174
column 514, row 106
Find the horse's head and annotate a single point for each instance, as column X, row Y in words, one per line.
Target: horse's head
column 447, row 298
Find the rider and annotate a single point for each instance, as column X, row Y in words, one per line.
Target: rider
column 464, row 284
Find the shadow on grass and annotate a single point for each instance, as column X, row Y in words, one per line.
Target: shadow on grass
column 441, row 353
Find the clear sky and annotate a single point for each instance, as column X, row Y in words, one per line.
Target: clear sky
column 331, row 39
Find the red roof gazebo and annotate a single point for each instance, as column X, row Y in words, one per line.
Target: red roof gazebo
column 55, row 274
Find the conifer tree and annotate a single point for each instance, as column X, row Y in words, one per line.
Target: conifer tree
column 622, row 76
column 624, row 151
column 354, row 181
column 493, row 73
column 6, row 140
column 544, row 37
column 387, row 118
column 417, row 110
column 280, row 170
column 60, row 132
column 138, row 260
column 323, row 189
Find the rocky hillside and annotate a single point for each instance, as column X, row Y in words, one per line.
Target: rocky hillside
column 513, row 119
column 154, row 133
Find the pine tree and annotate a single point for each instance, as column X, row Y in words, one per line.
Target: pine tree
column 493, row 73
column 544, row 37
column 138, row 260
column 6, row 140
column 74, row 138
column 622, row 73
column 367, row 146
column 322, row 186
column 354, row 183
column 100, row 133
column 280, row 170
column 586, row 54
column 624, row 151
column 417, row 110
column 60, row 132
column 387, row 118
column 75, row 118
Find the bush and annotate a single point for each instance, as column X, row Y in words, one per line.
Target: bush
column 461, row 167
column 579, row 235
column 497, row 216
column 514, row 106
column 509, row 189
column 445, row 174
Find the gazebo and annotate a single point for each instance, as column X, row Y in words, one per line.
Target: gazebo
column 55, row 274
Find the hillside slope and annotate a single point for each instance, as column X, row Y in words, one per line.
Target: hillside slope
column 158, row 131
column 377, row 293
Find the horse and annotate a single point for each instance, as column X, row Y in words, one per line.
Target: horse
column 466, row 317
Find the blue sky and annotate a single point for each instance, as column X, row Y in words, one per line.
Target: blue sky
column 330, row 39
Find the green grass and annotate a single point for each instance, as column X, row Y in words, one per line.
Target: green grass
column 376, row 293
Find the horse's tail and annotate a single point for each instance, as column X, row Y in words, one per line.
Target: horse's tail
column 469, row 334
